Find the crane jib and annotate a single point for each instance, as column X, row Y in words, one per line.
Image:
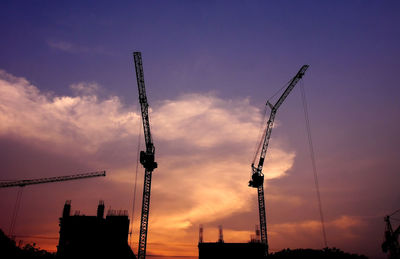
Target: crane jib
column 22, row 183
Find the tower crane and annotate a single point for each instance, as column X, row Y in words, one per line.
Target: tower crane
column 391, row 243
column 257, row 178
column 146, row 157
column 23, row 183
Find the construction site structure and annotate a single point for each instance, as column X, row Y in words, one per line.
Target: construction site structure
column 146, row 157
column 221, row 234
column 23, row 183
column 256, row 238
column 257, row 178
column 220, row 249
column 96, row 236
column 391, row 243
column 201, row 234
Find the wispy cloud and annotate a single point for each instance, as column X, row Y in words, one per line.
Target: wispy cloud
column 70, row 47
column 341, row 230
column 64, row 46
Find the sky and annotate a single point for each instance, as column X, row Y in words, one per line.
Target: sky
column 69, row 104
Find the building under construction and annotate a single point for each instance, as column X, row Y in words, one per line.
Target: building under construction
column 254, row 249
column 94, row 236
column 219, row 250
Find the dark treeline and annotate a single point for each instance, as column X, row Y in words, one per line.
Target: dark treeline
column 328, row 253
column 8, row 249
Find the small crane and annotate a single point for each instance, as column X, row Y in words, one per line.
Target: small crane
column 391, row 243
column 146, row 157
column 257, row 178
column 23, row 183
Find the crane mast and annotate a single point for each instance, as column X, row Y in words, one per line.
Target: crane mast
column 257, row 178
column 146, row 157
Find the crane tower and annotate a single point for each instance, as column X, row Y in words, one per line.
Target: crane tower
column 257, row 178
column 146, row 157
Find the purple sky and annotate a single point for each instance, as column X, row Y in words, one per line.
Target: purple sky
column 69, row 104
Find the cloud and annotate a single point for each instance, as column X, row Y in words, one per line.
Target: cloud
column 72, row 48
column 64, row 46
column 340, row 230
column 206, row 121
column 203, row 145
column 63, row 121
column 85, row 89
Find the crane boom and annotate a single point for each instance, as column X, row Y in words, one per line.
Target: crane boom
column 291, row 85
column 257, row 178
column 22, row 183
column 143, row 102
column 146, row 157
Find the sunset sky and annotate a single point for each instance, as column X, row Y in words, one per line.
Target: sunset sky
column 69, row 104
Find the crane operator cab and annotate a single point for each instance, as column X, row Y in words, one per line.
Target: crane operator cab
column 147, row 160
column 257, row 179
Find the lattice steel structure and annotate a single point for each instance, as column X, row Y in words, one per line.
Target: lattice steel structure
column 257, row 178
column 146, row 157
column 22, row 183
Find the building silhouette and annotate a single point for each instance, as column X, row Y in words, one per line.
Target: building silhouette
column 221, row 250
column 94, row 236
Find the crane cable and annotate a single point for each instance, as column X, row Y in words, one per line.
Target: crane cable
column 15, row 212
column 36, row 237
column 262, row 132
column 263, row 126
column 394, row 212
column 136, row 176
column 312, row 155
column 391, row 215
